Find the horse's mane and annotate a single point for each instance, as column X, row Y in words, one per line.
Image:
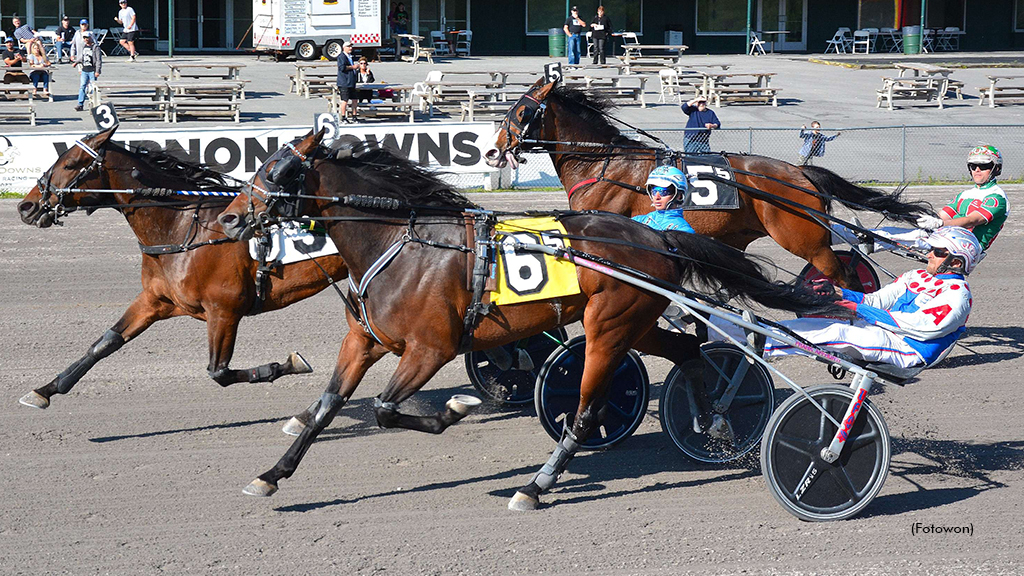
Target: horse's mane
column 593, row 110
column 196, row 174
column 391, row 175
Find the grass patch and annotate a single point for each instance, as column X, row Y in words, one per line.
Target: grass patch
column 5, row 195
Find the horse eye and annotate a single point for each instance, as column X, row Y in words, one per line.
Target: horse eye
column 525, row 114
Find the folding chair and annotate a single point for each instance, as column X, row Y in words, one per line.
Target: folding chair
column 838, row 42
column 669, row 80
column 892, row 38
column 862, row 38
column 590, row 45
column 756, row 45
column 440, row 43
column 116, row 33
column 629, row 38
column 463, row 40
column 949, row 39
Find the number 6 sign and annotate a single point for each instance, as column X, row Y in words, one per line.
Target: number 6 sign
column 104, row 116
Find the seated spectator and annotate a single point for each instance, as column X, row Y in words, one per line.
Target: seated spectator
column 364, row 76
column 12, row 59
column 25, row 34
column 38, row 62
column 65, row 35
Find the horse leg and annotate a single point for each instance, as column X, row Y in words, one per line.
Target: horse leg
column 815, row 247
column 141, row 314
column 608, row 340
column 221, row 333
column 417, row 367
column 358, row 353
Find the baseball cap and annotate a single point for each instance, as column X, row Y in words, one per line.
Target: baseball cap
column 64, row 17
column 575, row 9
column 83, row 21
column 347, row 43
column 9, row 40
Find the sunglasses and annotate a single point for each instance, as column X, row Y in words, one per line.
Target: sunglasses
column 940, row 252
column 661, row 190
column 987, row 166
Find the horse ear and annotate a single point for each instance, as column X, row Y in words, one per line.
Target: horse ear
column 100, row 139
column 319, row 136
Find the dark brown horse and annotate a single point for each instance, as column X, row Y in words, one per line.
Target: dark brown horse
column 413, row 299
column 210, row 278
column 602, row 169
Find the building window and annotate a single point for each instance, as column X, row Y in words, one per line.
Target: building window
column 543, row 14
column 1018, row 15
column 943, row 13
column 877, row 14
column 726, row 17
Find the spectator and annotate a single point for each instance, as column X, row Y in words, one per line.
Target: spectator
column 697, row 137
column 401, row 19
column 79, row 38
column 346, row 82
column 601, row 27
column 573, row 27
column 12, row 59
column 393, row 19
column 126, row 17
column 814, row 142
column 364, row 76
column 90, row 60
column 65, row 35
column 37, row 60
column 26, row 35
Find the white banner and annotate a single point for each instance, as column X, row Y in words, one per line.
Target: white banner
column 456, row 147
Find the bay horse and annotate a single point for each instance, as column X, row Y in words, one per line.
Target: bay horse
column 602, row 169
column 409, row 268
column 201, row 274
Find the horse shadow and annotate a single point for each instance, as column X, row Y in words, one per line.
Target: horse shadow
column 958, row 460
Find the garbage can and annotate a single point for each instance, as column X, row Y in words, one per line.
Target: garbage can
column 911, row 39
column 556, row 43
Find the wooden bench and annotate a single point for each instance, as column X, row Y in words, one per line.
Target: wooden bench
column 956, row 87
column 633, row 93
column 205, row 99
column 133, row 100
column 472, row 107
column 1006, row 94
column 910, row 91
column 10, row 111
column 759, row 94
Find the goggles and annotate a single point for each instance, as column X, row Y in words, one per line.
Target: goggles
column 661, row 190
column 940, row 252
column 971, row 166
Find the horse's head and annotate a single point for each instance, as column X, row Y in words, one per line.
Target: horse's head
column 274, row 191
column 523, row 120
column 54, row 195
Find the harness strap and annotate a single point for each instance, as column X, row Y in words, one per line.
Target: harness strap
column 601, row 178
column 179, row 248
column 359, row 291
column 481, row 270
column 87, row 149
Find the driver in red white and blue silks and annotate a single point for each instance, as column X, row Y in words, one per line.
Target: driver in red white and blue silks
column 911, row 322
column 666, row 186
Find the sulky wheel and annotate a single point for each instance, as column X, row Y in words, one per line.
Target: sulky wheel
column 807, row 486
column 867, row 275
column 558, row 393
column 522, row 359
column 747, row 412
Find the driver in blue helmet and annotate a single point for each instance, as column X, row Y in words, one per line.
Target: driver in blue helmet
column 667, row 188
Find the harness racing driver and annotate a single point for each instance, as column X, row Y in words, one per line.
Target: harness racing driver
column 663, row 186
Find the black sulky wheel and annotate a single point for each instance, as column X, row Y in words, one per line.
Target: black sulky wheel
column 865, row 272
column 524, row 358
column 809, row 487
column 747, row 412
column 558, row 394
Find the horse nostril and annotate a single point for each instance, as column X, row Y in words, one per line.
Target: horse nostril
column 492, row 154
column 227, row 220
column 26, row 208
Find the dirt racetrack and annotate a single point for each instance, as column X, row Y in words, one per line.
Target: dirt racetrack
column 140, row 469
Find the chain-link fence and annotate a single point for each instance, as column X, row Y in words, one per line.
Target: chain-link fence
column 915, row 154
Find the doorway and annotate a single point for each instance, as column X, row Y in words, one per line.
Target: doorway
column 203, row 24
column 788, row 15
column 442, row 15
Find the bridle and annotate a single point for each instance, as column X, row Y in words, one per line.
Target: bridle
column 46, row 188
column 520, row 121
column 282, row 183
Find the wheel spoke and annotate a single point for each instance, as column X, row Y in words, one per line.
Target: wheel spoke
column 807, row 473
column 845, row 482
column 748, row 400
column 863, row 440
column 800, row 445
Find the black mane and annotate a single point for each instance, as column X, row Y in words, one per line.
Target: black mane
column 593, row 110
column 391, row 175
column 195, row 174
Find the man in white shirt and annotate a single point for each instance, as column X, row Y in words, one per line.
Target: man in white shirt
column 126, row 17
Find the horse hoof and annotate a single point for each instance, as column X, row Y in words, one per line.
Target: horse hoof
column 463, row 404
column 299, row 364
column 523, row 503
column 293, row 427
column 260, row 488
column 35, row 400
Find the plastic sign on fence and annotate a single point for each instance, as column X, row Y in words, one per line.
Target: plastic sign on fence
column 553, row 72
column 104, row 116
column 328, row 121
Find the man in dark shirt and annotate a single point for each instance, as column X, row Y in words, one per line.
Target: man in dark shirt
column 346, row 82
column 600, row 27
column 13, row 59
column 65, row 34
column 573, row 27
column 703, row 121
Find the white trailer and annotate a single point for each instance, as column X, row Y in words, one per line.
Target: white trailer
column 307, row 27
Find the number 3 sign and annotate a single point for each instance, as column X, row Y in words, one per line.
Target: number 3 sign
column 104, row 116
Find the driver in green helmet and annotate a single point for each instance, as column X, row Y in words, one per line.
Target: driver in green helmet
column 982, row 209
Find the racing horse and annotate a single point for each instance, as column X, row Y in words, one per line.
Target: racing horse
column 403, row 234
column 189, row 268
column 602, row 169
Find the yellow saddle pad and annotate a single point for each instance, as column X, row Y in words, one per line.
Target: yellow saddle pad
column 531, row 276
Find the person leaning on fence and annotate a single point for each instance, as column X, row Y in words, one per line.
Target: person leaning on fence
column 601, row 27
column 89, row 59
column 573, row 27
column 814, row 142
column 701, row 121
column 65, row 35
column 346, row 82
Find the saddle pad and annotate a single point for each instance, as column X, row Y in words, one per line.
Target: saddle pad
column 530, row 276
column 292, row 243
column 705, row 194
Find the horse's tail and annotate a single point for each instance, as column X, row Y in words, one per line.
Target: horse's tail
column 710, row 266
column 891, row 205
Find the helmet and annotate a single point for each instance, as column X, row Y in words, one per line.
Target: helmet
column 983, row 155
column 666, row 177
column 961, row 243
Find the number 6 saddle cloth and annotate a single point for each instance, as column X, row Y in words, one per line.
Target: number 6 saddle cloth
column 294, row 243
column 529, row 276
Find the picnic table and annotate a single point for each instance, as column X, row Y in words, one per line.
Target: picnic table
column 453, row 92
column 221, row 71
column 133, row 99
column 205, row 99
column 922, row 70
column 311, row 77
column 26, row 70
column 925, row 88
column 773, row 40
column 738, row 87
column 635, row 50
column 612, row 87
column 416, row 51
column 1005, row 92
column 399, row 107
column 17, row 102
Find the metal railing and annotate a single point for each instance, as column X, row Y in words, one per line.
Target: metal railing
column 888, row 154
